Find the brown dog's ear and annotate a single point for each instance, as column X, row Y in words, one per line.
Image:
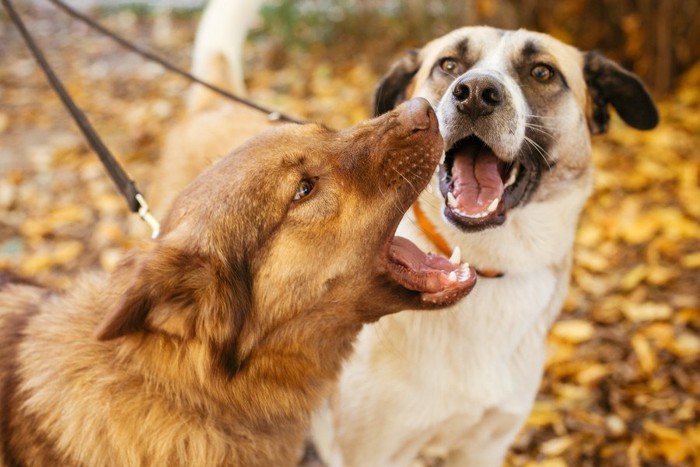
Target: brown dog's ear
column 193, row 291
column 391, row 90
column 155, row 281
column 187, row 295
column 609, row 83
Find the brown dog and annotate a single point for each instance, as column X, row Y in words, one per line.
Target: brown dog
column 211, row 345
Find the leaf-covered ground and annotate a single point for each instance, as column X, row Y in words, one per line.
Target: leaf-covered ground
column 622, row 385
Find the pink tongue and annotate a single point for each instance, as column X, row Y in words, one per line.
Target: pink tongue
column 420, row 271
column 407, row 253
column 477, row 180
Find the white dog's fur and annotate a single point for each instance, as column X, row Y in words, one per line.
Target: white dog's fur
column 459, row 385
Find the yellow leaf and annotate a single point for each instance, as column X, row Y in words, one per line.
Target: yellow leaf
column 647, row 311
column 573, row 330
column 645, row 354
column 634, row 277
column 671, row 442
column 615, row 425
column 691, row 261
column 661, row 275
column 570, row 394
column 67, row 252
column 660, row 332
column 559, row 351
column 687, row 345
column 592, row 260
column 589, row 235
column 548, row 463
column 35, row 264
column 543, row 413
column 592, row 373
column 640, row 230
column 556, row 446
column 69, row 214
column 109, row 258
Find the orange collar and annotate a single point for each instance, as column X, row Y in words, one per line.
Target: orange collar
column 439, row 241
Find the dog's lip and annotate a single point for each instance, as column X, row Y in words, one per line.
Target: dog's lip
column 438, row 280
column 467, row 209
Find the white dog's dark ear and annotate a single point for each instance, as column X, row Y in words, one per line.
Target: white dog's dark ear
column 609, row 83
column 391, row 90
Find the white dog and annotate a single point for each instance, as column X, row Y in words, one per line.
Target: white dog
column 516, row 110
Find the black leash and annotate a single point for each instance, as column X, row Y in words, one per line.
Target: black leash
column 272, row 114
column 134, row 198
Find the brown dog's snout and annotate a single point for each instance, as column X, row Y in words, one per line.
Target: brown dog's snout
column 417, row 114
column 478, row 95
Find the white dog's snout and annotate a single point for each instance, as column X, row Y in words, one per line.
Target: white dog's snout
column 489, row 104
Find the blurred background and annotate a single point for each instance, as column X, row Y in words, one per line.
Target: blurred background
column 622, row 385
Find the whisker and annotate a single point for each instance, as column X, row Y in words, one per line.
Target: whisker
column 539, row 129
column 415, row 190
column 545, row 117
column 540, row 150
column 534, row 125
column 394, row 202
column 429, row 199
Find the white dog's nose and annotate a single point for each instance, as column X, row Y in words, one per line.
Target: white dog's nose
column 478, row 95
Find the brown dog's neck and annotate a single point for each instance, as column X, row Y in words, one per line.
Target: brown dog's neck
column 282, row 377
column 297, row 360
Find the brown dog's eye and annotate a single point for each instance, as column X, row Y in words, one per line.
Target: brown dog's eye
column 449, row 65
column 304, row 189
column 542, row 72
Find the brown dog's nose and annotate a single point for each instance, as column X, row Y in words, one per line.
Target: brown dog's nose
column 416, row 114
column 478, row 95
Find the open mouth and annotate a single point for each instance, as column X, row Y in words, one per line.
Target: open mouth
column 440, row 281
column 479, row 187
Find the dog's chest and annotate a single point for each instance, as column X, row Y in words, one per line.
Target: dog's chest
column 477, row 349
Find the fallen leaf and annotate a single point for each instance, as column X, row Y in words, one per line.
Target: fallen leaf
column 647, row 311
column 573, row 330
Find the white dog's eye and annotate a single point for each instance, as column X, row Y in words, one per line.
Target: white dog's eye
column 449, row 65
column 304, row 189
column 542, row 72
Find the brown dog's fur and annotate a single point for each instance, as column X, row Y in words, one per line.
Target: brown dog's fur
column 211, row 345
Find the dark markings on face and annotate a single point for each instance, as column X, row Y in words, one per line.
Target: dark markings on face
column 462, row 49
column 530, row 49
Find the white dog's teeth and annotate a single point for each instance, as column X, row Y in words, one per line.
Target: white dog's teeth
column 452, row 277
column 511, row 178
column 456, row 256
column 451, row 200
column 492, row 207
column 478, row 215
column 442, row 158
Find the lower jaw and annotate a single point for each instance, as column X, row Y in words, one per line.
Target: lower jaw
column 474, row 224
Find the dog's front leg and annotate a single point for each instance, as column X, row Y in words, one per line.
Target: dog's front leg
column 480, row 452
column 487, row 442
